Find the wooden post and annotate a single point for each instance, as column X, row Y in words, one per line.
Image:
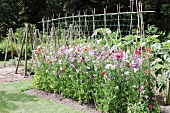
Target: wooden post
column 6, row 49
column 93, row 22
column 31, row 35
column 36, row 35
column 131, row 20
column 43, row 26
column 56, row 36
column 48, row 26
column 105, row 37
column 79, row 25
column 85, row 25
column 12, row 33
column 138, row 14
column 20, row 52
column 26, row 50
column 118, row 11
column 66, row 30
column 12, row 48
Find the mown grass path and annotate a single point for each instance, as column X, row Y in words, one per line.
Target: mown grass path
column 14, row 100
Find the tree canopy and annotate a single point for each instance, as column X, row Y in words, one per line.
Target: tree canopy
column 13, row 13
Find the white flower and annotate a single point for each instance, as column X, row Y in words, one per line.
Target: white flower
column 39, row 64
column 126, row 73
column 77, row 70
column 54, row 72
column 48, row 57
column 108, row 31
column 117, row 87
column 61, row 68
column 135, row 70
column 70, row 50
column 109, row 66
column 47, row 71
column 59, row 62
column 98, row 41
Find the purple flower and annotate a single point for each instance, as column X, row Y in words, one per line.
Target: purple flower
column 72, row 65
column 136, row 65
column 127, row 78
column 81, row 81
column 108, row 78
column 72, row 59
column 59, row 75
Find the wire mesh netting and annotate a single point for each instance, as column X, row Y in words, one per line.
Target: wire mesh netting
column 83, row 26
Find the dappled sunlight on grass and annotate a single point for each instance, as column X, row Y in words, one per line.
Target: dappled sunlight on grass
column 14, row 100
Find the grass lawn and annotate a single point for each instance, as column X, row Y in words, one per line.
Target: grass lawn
column 14, row 100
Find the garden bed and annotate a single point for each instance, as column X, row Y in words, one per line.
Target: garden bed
column 7, row 75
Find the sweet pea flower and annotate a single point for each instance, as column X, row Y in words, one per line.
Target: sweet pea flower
column 150, row 106
column 94, row 75
column 72, row 59
column 147, row 50
column 141, row 88
column 108, row 79
column 102, row 73
column 46, row 51
column 33, row 58
column 51, row 62
column 146, row 71
column 137, row 52
column 38, row 48
column 120, row 55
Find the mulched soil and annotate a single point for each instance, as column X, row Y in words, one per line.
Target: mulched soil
column 7, row 74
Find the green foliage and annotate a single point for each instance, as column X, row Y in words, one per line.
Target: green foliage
column 152, row 31
column 161, row 65
column 88, row 74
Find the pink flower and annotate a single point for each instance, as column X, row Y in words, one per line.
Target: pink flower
column 108, row 78
column 146, row 57
column 141, row 88
column 150, row 106
column 119, row 55
column 45, row 61
column 38, row 48
column 147, row 50
column 33, row 58
column 146, row 71
column 72, row 59
column 46, row 51
column 79, row 50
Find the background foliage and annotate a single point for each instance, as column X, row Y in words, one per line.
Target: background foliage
column 13, row 13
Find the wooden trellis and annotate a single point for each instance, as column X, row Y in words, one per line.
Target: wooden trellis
column 28, row 33
column 11, row 40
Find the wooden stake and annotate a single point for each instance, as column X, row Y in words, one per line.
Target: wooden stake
column 6, row 49
column 85, row 25
column 105, row 25
column 26, row 49
column 12, row 33
column 93, row 22
column 20, row 52
column 79, row 24
column 12, row 48
column 43, row 27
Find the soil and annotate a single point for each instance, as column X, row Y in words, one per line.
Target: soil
column 7, row 74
